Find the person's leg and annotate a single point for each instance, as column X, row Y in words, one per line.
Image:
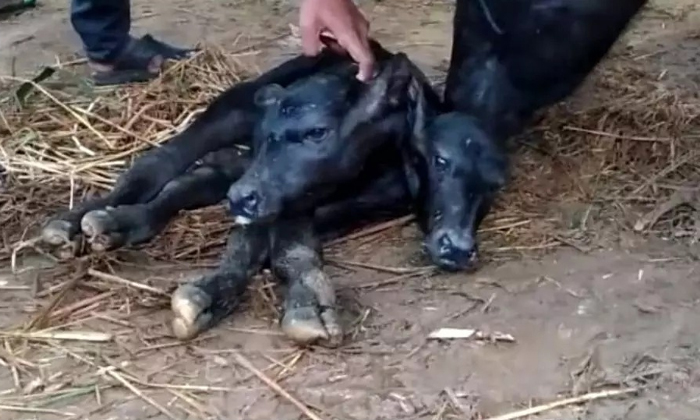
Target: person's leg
column 116, row 57
column 103, row 26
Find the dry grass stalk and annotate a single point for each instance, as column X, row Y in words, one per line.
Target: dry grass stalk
column 592, row 396
column 112, row 371
column 380, row 268
column 21, row 409
column 244, row 362
column 119, row 280
column 92, row 336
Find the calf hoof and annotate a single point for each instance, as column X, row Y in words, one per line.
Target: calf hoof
column 191, row 306
column 308, row 325
column 67, row 251
column 99, row 227
column 57, row 232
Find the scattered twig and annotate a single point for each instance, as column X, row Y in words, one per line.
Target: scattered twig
column 592, row 396
column 111, row 371
column 92, row 336
column 679, row 198
column 116, row 279
column 373, row 230
column 241, row 360
column 72, row 308
column 21, row 409
column 393, row 280
column 617, row 136
column 390, row 270
column 42, row 317
column 690, row 157
column 465, row 333
column 14, row 288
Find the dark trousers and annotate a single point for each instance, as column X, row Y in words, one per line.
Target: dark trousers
column 103, row 26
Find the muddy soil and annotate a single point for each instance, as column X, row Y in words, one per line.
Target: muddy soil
column 628, row 314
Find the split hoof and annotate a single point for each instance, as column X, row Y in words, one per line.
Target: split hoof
column 96, row 223
column 191, row 306
column 309, row 325
column 101, row 229
column 68, row 250
column 57, row 232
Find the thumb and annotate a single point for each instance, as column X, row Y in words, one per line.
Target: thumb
column 365, row 59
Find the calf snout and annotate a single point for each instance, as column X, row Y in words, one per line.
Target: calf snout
column 244, row 204
column 452, row 251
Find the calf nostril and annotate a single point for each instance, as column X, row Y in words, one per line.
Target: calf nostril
column 250, row 201
column 445, row 244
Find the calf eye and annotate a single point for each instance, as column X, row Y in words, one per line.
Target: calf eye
column 440, row 163
column 315, row 134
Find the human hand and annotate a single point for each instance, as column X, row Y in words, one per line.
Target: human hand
column 341, row 20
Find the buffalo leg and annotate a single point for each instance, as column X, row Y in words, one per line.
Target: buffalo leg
column 203, row 186
column 296, row 258
column 149, row 175
column 310, row 303
column 203, row 303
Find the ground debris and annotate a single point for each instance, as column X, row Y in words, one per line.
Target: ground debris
column 462, row 333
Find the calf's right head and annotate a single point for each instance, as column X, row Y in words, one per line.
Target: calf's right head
column 315, row 134
column 465, row 169
column 460, row 167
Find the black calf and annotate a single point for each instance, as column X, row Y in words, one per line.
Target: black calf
column 294, row 247
column 227, row 123
column 167, row 180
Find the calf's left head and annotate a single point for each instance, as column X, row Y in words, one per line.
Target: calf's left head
column 316, row 134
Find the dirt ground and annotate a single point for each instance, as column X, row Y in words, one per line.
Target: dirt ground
column 620, row 315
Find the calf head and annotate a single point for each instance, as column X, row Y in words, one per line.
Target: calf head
column 459, row 168
column 316, row 134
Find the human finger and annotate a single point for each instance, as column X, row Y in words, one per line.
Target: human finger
column 360, row 51
column 310, row 41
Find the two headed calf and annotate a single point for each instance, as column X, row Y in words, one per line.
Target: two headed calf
column 307, row 150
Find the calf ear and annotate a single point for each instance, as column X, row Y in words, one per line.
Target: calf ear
column 268, row 95
column 494, row 170
column 420, row 115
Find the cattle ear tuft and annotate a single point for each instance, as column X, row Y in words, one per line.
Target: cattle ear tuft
column 268, row 95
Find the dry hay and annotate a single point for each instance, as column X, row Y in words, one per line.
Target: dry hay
column 71, row 141
column 628, row 149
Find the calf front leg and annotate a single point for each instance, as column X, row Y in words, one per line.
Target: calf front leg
column 310, row 304
column 203, row 303
column 309, row 308
column 203, row 186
